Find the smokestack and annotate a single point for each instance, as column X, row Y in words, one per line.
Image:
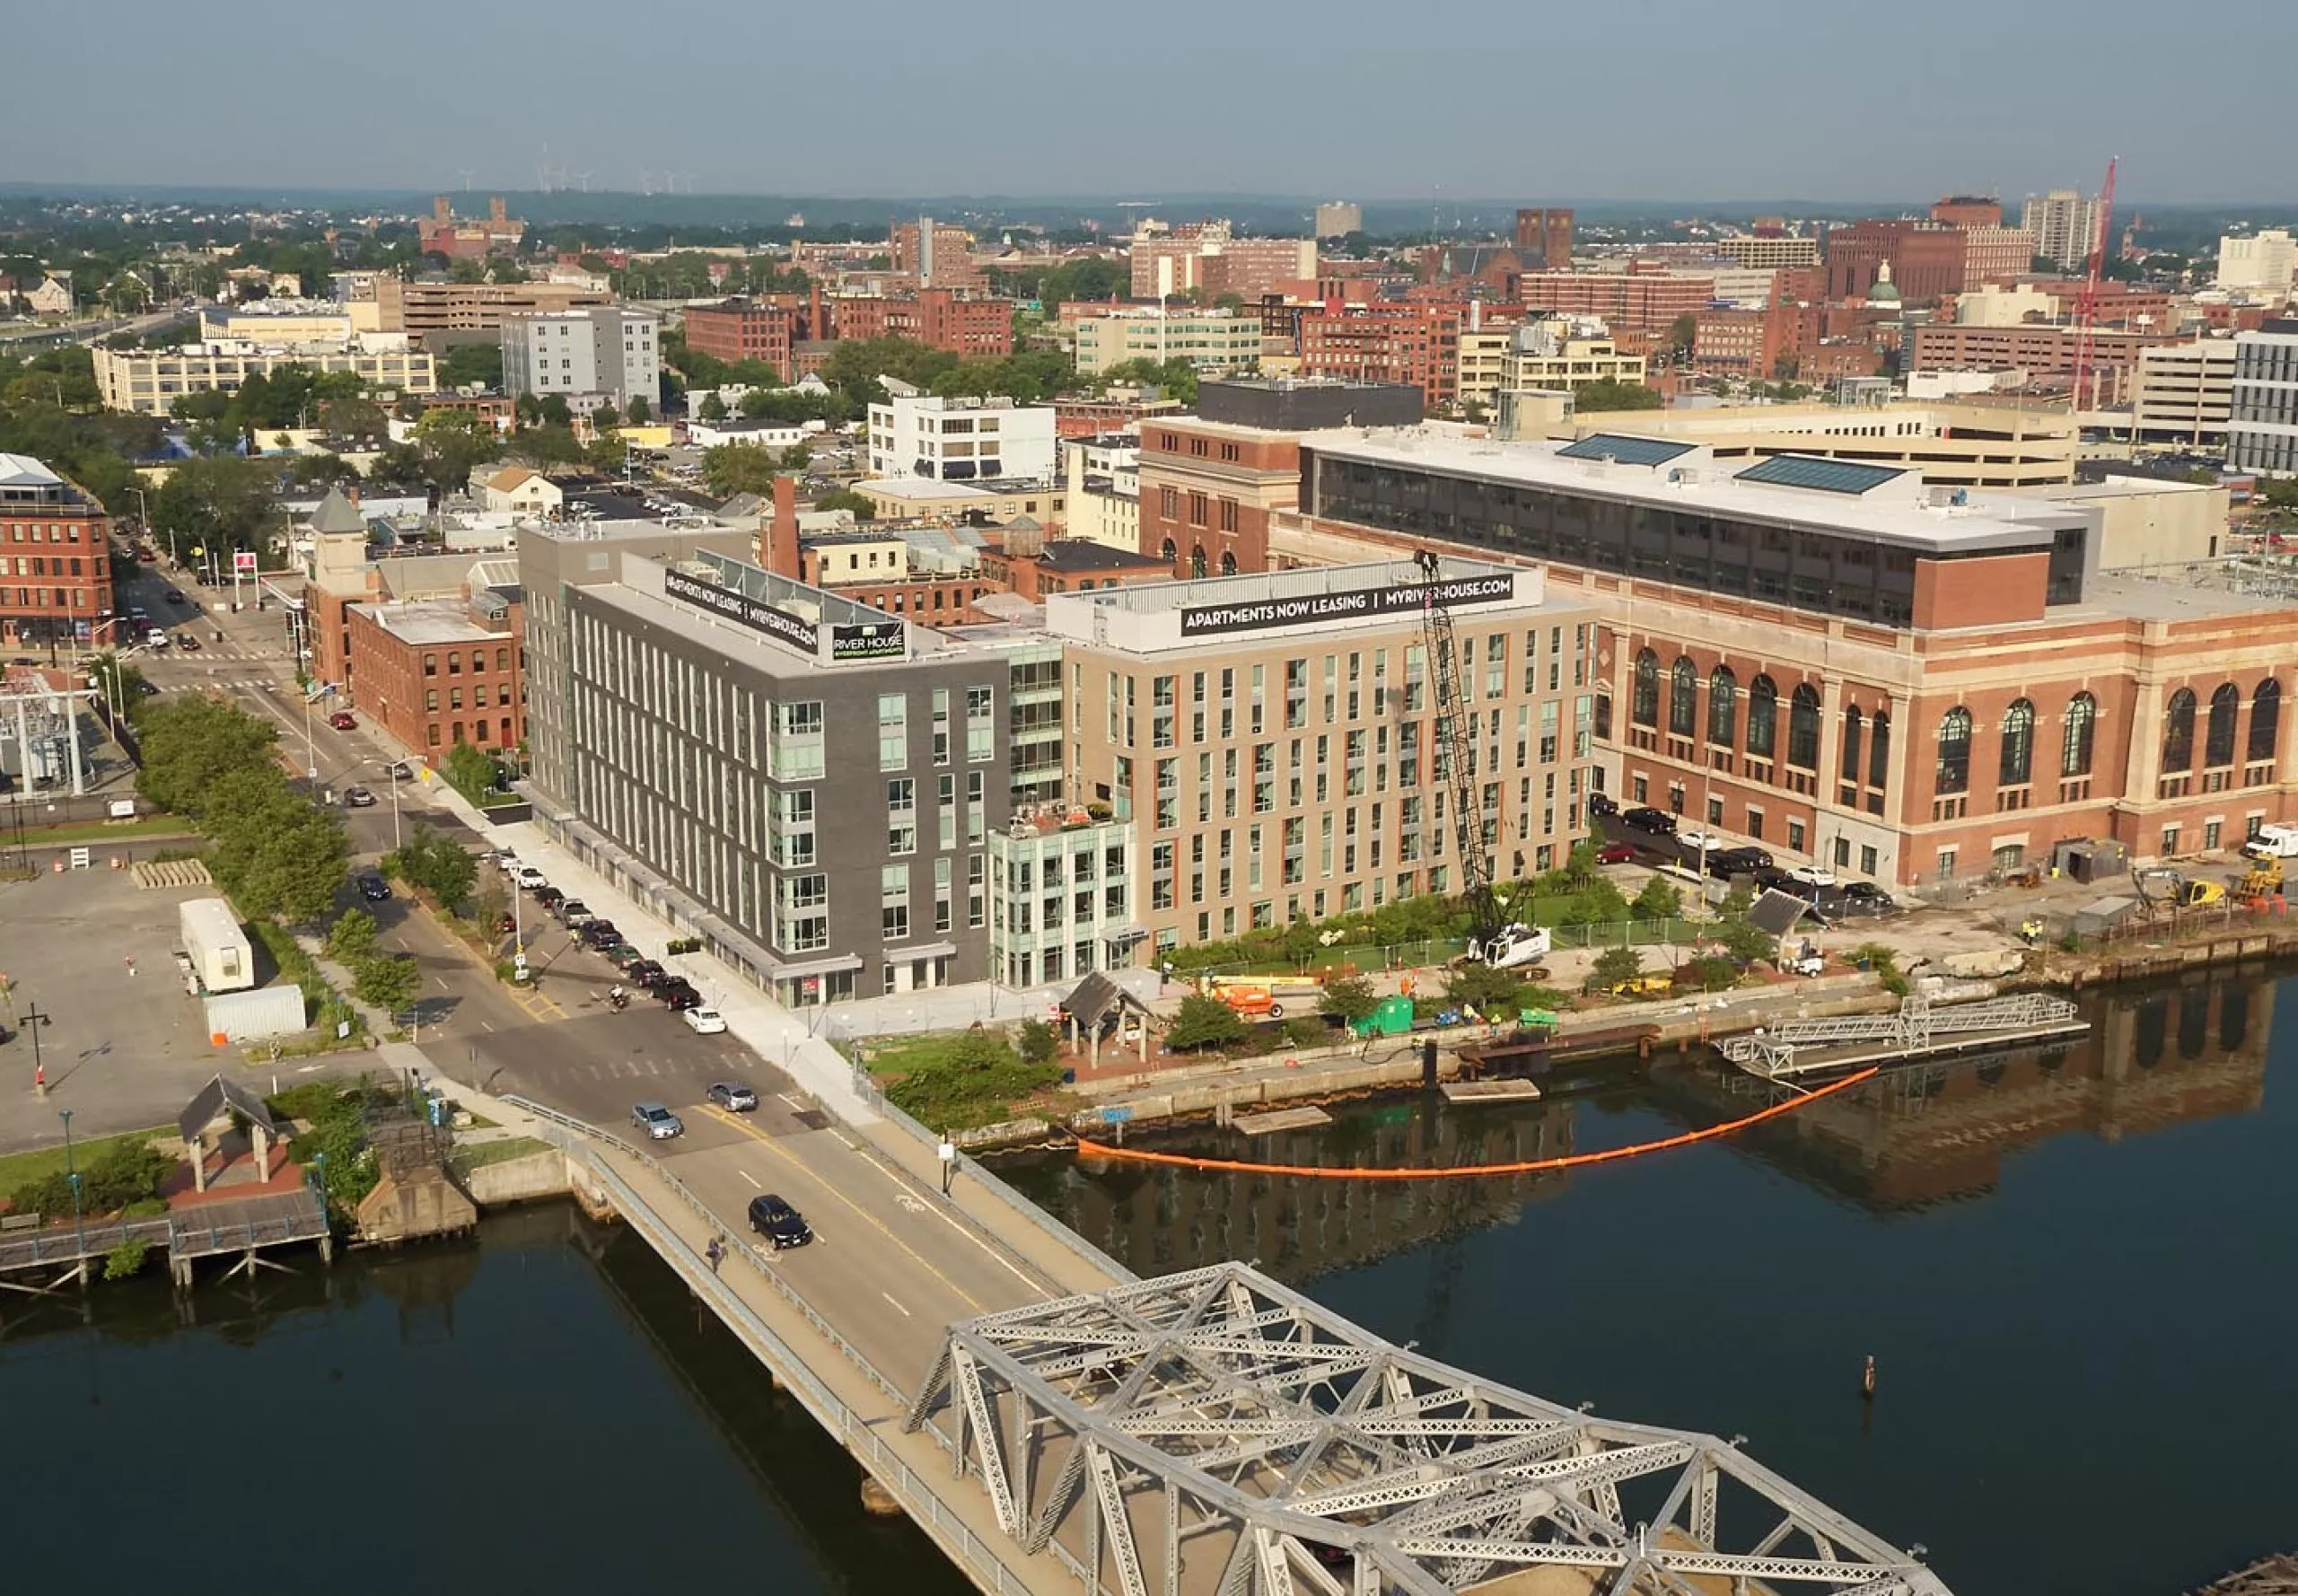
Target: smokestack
column 782, row 531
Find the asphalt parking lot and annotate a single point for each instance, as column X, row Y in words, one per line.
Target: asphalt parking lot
column 122, row 1051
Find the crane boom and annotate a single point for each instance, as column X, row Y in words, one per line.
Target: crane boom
column 1453, row 745
column 2086, row 305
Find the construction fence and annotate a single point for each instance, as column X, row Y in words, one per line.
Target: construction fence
column 1359, row 958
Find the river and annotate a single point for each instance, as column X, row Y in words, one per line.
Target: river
column 2074, row 1268
column 2077, row 1271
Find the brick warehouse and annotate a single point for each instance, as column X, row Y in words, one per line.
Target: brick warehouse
column 55, row 557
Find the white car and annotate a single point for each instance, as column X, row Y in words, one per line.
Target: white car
column 528, row 877
column 1714, row 842
column 1812, row 875
column 704, row 1022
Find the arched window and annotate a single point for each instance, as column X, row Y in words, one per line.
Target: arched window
column 1955, row 772
column 1803, row 728
column 2074, row 745
column 2177, row 733
column 1683, row 698
column 1196, row 559
column 1851, row 725
column 1763, row 717
column 1722, row 706
column 1228, row 562
column 1643, row 704
column 1878, row 752
column 2218, row 736
column 1172, row 555
column 2266, row 720
column 2018, row 744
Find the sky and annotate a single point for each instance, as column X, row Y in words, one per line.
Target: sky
column 1694, row 100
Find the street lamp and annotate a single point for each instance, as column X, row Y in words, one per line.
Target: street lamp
column 390, row 773
column 72, row 1177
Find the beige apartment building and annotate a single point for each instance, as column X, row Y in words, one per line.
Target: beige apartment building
column 1952, row 445
column 1567, row 352
column 2184, row 394
column 379, row 303
column 148, row 381
column 1482, row 360
column 1770, row 254
column 1213, row 341
column 1271, row 739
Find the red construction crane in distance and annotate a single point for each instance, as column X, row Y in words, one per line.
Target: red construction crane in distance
column 2086, row 305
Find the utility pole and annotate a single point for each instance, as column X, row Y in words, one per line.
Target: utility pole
column 34, row 1018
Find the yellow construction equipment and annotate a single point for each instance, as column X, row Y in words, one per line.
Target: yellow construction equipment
column 2262, row 880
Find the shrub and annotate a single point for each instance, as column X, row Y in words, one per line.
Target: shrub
column 1659, row 900
column 1040, row 1041
column 1348, row 999
column 124, row 1174
column 1305, row 1030
column 1485, row 989
column 1613, row 966
column 352, row 938
column 1204, row 1021
column 956, row 1083
column 125, row 1259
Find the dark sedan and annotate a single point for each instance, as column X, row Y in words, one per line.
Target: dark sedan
column 599, row 934
column 374, row 887
column 677, row 995
column 1657, row 822
column 780, row 1223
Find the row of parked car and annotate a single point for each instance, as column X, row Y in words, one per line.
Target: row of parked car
column 1644, row 831
column 673, row 990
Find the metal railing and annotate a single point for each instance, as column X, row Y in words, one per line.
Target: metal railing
column 857, row 1432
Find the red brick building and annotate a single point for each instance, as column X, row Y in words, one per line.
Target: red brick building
column 1968, row 210
column 1749, row 344
column 945, row 261
column 439, row 671
column 1097, row 418
column 1207, row 489
column 1642, row 302
column 1544, row 238
column 936, row 318
column 1927, row 260
column 55, row 558
column 1036, row 566
column 759, row 329
column 2046, row 353
column 1418, row 344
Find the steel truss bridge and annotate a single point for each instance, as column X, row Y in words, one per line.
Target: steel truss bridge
column 1217, row 1433
column 1916, row 1026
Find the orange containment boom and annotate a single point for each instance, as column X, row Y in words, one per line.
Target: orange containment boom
column 1086, row 1149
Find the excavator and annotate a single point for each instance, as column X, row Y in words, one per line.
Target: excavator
column 2162, row 888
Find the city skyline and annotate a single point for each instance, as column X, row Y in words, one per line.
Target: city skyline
column 1705, row 114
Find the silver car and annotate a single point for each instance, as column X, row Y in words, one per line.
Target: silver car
column 657, row 1121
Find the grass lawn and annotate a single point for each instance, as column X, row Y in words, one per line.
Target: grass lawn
column 20, row 1169
column 476, row 1155
column 957, row 1079
column 110, row 830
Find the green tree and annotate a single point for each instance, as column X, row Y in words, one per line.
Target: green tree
column 1682, row 333
column 1745, row 942
column 1204, row 1021
column 712, row 408
column 841, row 498
column 351, row 938
column 469, row 771
column 220, row 504
column 1659, row 900
column 730, row 468
column 1609, row 393
column 638, row 410
column 1040, row 1042
column 190, row 742
column 389, row 981
column 472, row 365
column 1614, row 966
column 1487, row 990
column 1348, row 999
column 438, row 865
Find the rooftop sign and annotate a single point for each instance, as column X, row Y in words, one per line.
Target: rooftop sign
column 1310, row 610
column 760, row 616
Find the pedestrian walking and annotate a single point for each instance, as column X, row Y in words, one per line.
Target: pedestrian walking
column 131, row 965
column 715, row 1252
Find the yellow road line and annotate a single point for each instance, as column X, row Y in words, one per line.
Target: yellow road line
column 763, row 1140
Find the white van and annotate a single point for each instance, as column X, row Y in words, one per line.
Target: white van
column 2273, row 842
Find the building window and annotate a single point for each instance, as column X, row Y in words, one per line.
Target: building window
column 893, row 900
column 1851, row 729
column 1683, row 698
column 901, row 816
column 2074, row 743
column 2265, row 716
column 2177, row 733
column 1722, row 706
column 1763, row 717
column 893, row 730
column 2019, row 744
column 1196, row 559
column 2218, row 738
column 1803, row 728
column 1953, row 774
column 1643, row 703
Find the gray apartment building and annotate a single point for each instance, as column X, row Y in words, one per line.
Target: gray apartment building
column 2262, row 429
column 812, row 782
column 603, row 352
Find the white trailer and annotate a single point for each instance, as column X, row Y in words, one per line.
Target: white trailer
column 222, row 959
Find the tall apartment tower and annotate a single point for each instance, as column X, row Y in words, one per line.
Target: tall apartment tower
column 1544, row 239
column 2064, row 223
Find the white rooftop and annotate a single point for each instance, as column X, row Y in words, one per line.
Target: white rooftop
column 1900, row 509
column 21, row 470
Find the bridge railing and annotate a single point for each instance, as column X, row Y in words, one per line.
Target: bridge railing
column 859, row 1434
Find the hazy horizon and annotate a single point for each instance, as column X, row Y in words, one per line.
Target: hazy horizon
column 1651, row 101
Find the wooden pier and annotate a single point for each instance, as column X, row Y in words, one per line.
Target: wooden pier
column 37, row 1262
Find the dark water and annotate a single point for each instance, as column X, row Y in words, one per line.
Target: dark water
column 544, row 1409
column 2077, row 1270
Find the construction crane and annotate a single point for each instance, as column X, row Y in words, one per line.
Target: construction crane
column 1491, row 938
column 2086, row 304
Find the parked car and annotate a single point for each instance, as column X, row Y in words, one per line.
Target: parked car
column 1812, row 875
column 358, row 798
column 550, row 897
column 1616, row 852
column 625, row 958
column 1865, row 897
column 343, row 720
column 1601, row 805
column 527, row 877
column 679, row 997
column 779, row 1223
column 1658, row 822
column 174, row 596
column 1727, row 863
column 599, row 933
column 1772, row 880
column 374, row 887
column 1693, row 840
column 645, row 973
column 706, row 1022
column 657, row 1121
column 731, row 1095
column 401, row 770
